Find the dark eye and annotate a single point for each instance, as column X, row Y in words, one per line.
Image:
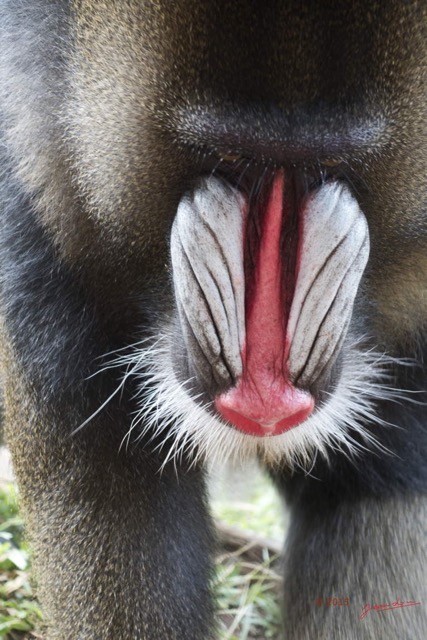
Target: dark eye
column 330, row 162
column 231, row 157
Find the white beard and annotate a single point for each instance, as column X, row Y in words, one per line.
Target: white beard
column 167, row 409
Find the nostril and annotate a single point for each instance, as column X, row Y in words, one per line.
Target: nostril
column 273, row 412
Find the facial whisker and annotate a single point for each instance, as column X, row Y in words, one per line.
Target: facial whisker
column 172, row 415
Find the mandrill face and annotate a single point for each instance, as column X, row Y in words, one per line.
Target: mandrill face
column 254, row 191
column 265, row 288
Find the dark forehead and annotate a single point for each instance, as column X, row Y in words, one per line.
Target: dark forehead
column 298, row 48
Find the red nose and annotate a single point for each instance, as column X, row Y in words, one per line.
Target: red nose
column 265, row 402
column 267, row 411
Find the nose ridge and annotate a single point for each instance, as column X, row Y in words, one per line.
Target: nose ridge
column 264, row 401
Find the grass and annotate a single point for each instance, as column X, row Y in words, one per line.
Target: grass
column 246, row 590
column 247, row 599
column 19, row 612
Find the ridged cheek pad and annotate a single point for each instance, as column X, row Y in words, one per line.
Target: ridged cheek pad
column 272, row 327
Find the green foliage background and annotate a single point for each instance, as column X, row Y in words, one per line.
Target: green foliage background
column 247, row 592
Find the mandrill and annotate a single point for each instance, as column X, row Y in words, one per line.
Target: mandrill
column 213, row 244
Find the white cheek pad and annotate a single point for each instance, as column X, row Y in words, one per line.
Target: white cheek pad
column 334, row 250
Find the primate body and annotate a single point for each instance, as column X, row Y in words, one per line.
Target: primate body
column 229, row 199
